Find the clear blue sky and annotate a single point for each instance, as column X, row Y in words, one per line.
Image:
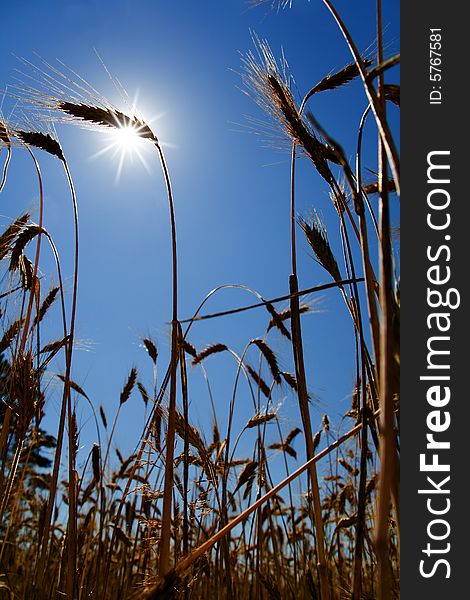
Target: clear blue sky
column 231, row 193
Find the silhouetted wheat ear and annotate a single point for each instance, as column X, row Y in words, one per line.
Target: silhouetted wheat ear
column 189, row 348
column 293, row 433
column 43, row 141
column 27, row 234
column 270, row 358
column 129, row 386
column 9, row 235
column 10, row 334
column 316, row 235
column 247, row 474
column 151, row 349
column 95, row 462
column 373, row 188
column 45, row 306
column 318, row 152
column 349, row 468
column 189, row 432
column 290, row 380
column 54, row 346
column 105, row 117
column 338, row 79
column 143, row 392
column 25, row 267
column 212, row 349
column 316, row 440
column 75, row 387
column 284, row 315
column 263, row 386
column 103, row 417
column 283, row 447
column 260, row 419
column 215, row 434
column 277, row 321
column 270, row 88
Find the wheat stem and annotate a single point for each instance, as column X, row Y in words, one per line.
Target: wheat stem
column 382, row 124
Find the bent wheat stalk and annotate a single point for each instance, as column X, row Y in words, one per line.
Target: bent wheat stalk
column 105, row 115
column 377, row 109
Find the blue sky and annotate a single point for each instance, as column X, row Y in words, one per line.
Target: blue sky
column 231, row 192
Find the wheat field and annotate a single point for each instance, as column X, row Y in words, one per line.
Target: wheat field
column 238, row 512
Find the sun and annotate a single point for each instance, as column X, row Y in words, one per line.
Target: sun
column 127, row 138
column 124, row 142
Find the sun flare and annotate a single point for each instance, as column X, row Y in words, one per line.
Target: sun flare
column 127, row 138
column 124, row 142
